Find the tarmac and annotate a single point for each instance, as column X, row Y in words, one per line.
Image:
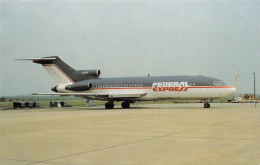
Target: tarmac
column 145, row 134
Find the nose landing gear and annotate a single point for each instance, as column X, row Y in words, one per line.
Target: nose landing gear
column 206, row 105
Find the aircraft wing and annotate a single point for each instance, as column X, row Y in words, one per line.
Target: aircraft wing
column 97, row 95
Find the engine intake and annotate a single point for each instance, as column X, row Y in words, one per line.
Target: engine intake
column 54, row 89
column 95, row 73
column 80, row 75
column 79, row 87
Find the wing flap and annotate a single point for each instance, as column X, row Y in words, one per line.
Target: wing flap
column 127, row 95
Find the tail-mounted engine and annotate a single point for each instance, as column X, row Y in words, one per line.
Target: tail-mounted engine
column 72, row 87
column 80, row 75
column 54, row 89
column 95, row 73
column 79, row 87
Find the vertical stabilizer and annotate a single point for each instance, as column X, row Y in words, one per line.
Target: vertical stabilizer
column 63, row 73
column 59, row 70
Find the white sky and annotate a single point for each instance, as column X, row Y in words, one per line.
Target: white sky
column 130, row 38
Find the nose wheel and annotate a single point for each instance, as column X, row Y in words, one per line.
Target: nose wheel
column 207, row 105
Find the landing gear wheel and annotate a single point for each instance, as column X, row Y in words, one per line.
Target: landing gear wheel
column 206, row 105
column 125, row 104
column 109, row 105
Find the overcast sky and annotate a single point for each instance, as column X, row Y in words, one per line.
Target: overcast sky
column 130, row 38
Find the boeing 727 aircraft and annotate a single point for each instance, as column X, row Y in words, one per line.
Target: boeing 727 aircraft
column 89, row 85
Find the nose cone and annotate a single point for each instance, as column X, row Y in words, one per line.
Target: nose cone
column 233, row 90
column 230, row 91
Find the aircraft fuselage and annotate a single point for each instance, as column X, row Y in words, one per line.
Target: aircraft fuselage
column 159, row 87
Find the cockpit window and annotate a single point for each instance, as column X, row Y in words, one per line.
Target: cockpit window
column 218, row 83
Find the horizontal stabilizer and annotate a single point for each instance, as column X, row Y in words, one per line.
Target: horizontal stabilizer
column 37, row 59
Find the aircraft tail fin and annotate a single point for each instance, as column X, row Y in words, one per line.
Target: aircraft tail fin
column 60, row 71
column 63, row 73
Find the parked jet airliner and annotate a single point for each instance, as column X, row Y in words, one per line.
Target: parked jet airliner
column 87, row 84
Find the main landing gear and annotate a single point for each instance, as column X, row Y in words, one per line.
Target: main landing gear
column 125, row 104
column 109, row 105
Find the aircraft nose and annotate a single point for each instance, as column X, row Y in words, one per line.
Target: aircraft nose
column 231, row 90
column 228, row 91
column 234, row 90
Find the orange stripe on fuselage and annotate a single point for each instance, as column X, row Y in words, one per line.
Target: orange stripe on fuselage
column 152, row 87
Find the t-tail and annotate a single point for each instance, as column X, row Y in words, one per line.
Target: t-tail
column 62, row 73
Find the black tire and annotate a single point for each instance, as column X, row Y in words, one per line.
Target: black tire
column 109, row 105
column 206, row 105
column 125, row 104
